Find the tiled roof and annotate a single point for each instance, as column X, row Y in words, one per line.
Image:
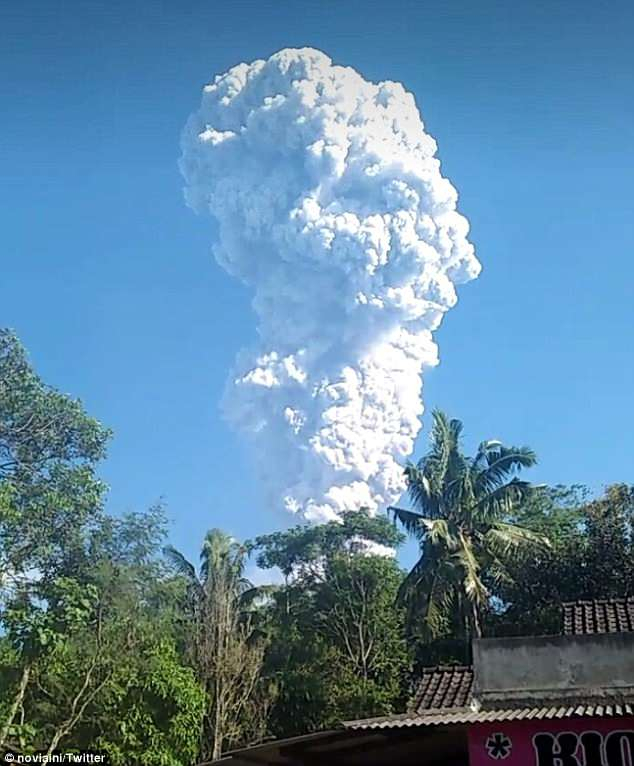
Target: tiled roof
column 443, row 687
column 444, row 694
column 614, row 615
column 606, row 708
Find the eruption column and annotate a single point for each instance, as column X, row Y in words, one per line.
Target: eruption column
column 331, row 207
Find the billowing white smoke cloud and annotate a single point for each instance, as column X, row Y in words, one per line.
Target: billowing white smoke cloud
column 330, row 205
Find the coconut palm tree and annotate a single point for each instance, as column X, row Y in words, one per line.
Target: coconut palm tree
column 463, row 523
column 222, row 563
column 225, row 648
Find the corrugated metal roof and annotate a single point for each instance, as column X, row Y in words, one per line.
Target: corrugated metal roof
column 443, row 687
column 469, row 715
column 615, row 615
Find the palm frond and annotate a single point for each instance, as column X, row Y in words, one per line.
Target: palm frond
column 436, row 480
column 410, row 588
column 412, row 522
column 180, row 564
column 443, row 441
column 498, row 572
column 501, row 462
column 251, row 595
column 244, row 585
column 480, row 460
column 221, row 553
column 439, row 533
column 508, row 540
column 420, row 490
column 455, row 429
column 441, row 597
column 502, row 501
column 428, row 592
column 474, row 588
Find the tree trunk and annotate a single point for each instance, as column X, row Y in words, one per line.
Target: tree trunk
column 476, row 623
column 217, row 748
column 17, row 702
column 55, row 741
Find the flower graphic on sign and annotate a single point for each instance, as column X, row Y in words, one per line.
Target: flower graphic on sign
column 498, row 746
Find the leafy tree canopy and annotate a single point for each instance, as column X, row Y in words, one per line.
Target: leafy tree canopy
column 48, row 451
column 297, row 549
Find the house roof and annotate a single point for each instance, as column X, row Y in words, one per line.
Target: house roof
column 615, row 615
column 444, row 695
column 444, row 698
column 444, row 687
column 469, row 715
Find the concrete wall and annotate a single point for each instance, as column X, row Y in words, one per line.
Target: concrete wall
column 553, row 668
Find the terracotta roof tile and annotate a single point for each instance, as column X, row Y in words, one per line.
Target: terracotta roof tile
column 614, row 615
column 443, row 687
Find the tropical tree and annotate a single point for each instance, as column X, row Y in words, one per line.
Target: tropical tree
column 462, row 521
column 340, row 585
column 591, row 557
column 225, row 647
column 90, row 659
column 49, row 494
column 49, row 449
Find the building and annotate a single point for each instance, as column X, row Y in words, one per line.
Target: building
column 565, row 700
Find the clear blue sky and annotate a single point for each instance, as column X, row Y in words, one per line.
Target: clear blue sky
column 108, row 278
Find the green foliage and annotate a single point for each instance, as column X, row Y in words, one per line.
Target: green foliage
column 357, row 660
column 591, row 556
column 41, row 615
column 40, row 428
column 357, row 613
column 48, row 451
column 303, row 545
column 151, row 710
column 463, row 524
column 225, row 647
column 111, row 640
column 103, row 655
column 90, row 642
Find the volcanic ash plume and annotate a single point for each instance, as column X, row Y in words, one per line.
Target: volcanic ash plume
column 330, row 205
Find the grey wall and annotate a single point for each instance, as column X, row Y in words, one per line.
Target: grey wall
column 554, row 667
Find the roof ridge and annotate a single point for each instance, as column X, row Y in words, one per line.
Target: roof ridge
column 606, row 600
column 436, row 668
column 578, row 708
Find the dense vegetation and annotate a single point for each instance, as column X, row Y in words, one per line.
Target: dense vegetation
column 111, row 639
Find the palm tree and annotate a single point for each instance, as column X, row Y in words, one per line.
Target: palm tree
column 222, row 563
column 224, row 646
column 463, row 523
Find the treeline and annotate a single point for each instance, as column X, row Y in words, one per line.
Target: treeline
column 111, row 639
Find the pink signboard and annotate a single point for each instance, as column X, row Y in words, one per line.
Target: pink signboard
column 570, row 742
